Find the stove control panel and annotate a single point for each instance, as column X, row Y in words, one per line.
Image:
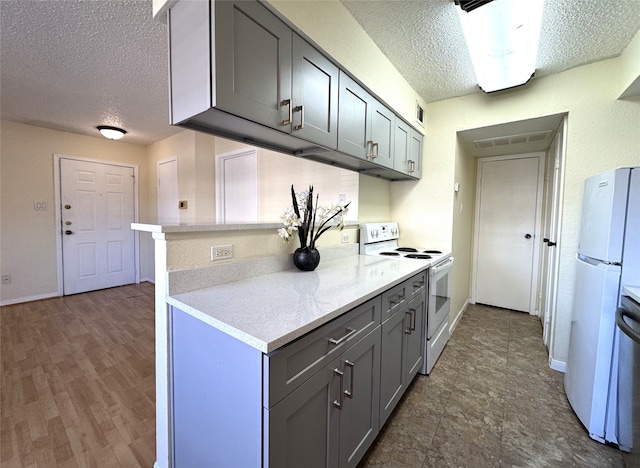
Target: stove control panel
column 378, row 232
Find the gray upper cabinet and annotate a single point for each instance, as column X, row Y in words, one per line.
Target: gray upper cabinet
column 315, row 95
column 365, row 126
column 407, row 153
column 253, row 71
column 240, row 72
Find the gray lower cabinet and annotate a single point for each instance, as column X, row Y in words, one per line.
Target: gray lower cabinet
column 402, row 343
column 407, row 153
column 317, row 401
column 332, row 419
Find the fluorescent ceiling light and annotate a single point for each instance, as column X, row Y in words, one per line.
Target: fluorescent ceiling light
column 502, row 38
column 112, row 133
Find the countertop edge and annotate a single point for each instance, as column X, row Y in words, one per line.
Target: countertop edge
column 633, row 292
column 191, row 303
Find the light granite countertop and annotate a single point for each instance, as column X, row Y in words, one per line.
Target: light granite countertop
column 633, row 292
column 269, row 311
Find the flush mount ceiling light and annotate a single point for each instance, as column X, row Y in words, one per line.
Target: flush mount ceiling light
column 112, row 133
column 502, row 38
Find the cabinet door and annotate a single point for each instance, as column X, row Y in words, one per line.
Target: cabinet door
column 354, row 118
column 315, row 95
column 402, row 147
column 359, row 418
column 382, row 135
column 415, row 154
column 303, row 429
column 407, row 152
column 392, row 364
column 252, row 63
column 415, row 324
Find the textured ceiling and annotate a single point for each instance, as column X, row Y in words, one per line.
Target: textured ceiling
column 74, row 64
column 424, row 41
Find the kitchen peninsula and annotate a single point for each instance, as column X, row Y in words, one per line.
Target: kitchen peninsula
column 271, row 364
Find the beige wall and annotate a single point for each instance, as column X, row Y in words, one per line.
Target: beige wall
column 602, row 134
column 28, row 237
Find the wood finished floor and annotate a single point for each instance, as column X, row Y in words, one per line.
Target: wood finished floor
column 77, row 390
column 77, row 384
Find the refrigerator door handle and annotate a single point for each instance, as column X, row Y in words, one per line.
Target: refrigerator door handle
column 621, row 313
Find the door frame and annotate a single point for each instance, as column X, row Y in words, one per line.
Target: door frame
column 252, row 153
column 58, row 214
column 535, row 266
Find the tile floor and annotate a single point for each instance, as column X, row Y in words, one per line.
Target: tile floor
column 490, row 401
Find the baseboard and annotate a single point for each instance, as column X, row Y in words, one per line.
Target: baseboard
column 20, row 300
column 147, row 280
column 456, row 320
column 559, row 366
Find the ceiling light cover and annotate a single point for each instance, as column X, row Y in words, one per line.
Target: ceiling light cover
column 502, row 38
column 112, row 133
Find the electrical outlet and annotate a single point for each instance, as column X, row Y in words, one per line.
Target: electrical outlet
column 219, row 252
column 345, row 238
column 6, row 279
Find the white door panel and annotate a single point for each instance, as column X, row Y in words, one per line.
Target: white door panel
column 506, row 234
column 97, row 210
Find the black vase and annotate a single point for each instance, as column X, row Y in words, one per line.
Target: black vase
column 306, row 259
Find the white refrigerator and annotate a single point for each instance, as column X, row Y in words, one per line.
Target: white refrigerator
column 608, row 258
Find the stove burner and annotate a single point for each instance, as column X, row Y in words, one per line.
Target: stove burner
column 390, row 254
column 420, row 256
column 433, row 251
column 406, row 249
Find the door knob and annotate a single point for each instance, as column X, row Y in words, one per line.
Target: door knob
column 527, row 236
column 68, row 233
column 67, row 207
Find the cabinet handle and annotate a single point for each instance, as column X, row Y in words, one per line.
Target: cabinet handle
column 369, row 151
column 287, row 102
column 336, row 403
column 413, row 319
column 350, row 331
column 407, row 330
column 352, row 368
column 412, row 165
column 419, row 284
column 374, row 155
column 301, row 110
column 395, row 302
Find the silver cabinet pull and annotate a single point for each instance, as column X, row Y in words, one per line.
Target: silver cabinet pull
column 301, row 110
column 350, row 331
column 418, row 284
column 411, row 165
column 407, row 330
column 412, row 321
column 395, row 302
column 374, row 155
column 336, row 403
column 352, row 367
column 287, row 102
column 370, row 151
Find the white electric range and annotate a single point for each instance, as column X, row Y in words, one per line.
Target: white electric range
column 381, row 239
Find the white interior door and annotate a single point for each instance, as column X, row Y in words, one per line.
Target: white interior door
column 237, row 187
column 508, row 209
column 97, row 209
column 168, row 192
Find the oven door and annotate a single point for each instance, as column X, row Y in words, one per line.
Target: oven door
column 439, row 302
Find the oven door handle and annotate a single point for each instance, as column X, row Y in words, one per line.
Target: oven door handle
column 441, row 266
